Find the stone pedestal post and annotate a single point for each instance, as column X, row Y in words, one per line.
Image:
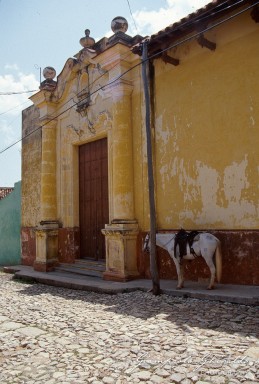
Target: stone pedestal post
column 46, row 247
column 120, row 241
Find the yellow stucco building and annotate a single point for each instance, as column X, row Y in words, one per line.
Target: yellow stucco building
column 84, row 162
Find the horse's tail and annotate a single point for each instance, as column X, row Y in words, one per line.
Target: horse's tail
column 218, row 262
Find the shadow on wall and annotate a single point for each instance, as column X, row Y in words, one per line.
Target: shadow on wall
column 10, row 227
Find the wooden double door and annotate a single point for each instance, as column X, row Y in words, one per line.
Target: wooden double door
column 93, row 198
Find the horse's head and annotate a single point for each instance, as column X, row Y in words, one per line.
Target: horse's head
column 146, row 245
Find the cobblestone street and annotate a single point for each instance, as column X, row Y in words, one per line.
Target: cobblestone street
column 54, row 335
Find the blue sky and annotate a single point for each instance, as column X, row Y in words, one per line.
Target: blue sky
column 35, row 34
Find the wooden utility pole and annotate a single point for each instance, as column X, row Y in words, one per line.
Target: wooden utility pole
column 151, row 189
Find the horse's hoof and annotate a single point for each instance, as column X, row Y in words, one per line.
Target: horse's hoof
column 179, row 287
column 210, row 288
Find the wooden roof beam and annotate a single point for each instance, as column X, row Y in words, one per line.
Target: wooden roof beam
column 206, row 43
column 170, row 60
column 255, row 14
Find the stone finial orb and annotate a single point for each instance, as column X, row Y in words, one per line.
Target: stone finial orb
column 49, row 73
column 87, row 41
column 119, row 24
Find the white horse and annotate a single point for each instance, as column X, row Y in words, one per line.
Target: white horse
column 204, row 244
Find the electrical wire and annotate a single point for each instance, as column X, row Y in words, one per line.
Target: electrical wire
column 132, row 16
column 136, row 65
column 17, row 106
column 204, row 30
column 11, row 122
column 123, row 57
column 16, row 93
column 199, row 18
column 195, row 19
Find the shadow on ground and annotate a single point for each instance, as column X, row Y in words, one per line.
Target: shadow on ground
column 183, row 312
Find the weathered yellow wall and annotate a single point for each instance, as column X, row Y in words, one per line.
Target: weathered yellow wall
column 74, row 130
column 110, row 114
column 139, row 151
column 31, row 168
column 207, row 133
column 206, row 157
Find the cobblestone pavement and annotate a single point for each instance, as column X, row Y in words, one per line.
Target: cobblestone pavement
column 53, row 335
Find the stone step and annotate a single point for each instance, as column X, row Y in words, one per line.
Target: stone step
column 83, row 267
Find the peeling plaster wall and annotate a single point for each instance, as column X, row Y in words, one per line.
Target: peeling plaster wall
column 206, row 158
column 73, row 131
column 140, row 151
column 205, row 136
column 31, row 183
column 31, row 167
column 240, row 260
column 206, row 132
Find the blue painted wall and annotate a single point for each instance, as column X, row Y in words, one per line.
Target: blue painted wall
column 10, row 226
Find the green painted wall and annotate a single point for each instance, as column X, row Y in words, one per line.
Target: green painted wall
column 10, row 226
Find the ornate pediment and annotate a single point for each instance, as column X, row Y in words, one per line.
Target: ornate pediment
column 68, row 73
column 85, row 56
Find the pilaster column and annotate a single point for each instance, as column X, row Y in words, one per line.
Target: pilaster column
column 48, row 172
column 121, row 233
column 47, row 230
column 122, row 153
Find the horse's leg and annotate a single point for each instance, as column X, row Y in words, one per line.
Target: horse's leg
column 179, row 270
column 209, row 261
column 182, row 275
